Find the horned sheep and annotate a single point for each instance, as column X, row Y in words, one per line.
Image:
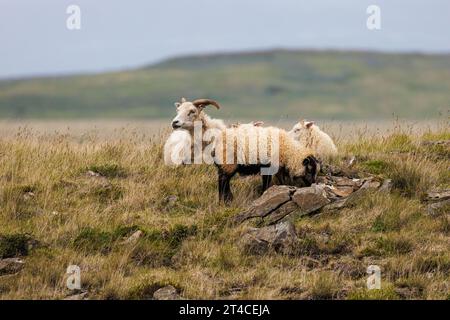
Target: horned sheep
column 181, row 145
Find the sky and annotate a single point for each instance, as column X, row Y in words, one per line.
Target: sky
column 117, row 35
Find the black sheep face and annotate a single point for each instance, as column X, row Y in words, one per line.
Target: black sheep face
column 312, row 168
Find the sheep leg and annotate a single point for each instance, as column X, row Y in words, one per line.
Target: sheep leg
column 225, row 194
column 266, row 182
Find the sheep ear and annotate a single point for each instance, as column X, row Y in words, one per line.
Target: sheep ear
column 183, row 100
column 177, row 104
column 309, row 124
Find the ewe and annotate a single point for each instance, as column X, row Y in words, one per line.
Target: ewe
column 250, row 124
column 310, row 136
column 249, row 150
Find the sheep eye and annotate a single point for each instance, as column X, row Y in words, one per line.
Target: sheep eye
column 191, row 112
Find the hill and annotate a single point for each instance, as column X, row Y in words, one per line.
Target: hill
column 272, row 84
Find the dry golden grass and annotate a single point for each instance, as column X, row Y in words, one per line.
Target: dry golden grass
column 72, row 218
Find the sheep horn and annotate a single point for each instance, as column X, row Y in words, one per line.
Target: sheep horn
column 201, row 103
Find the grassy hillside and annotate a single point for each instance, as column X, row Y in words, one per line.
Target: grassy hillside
column 273, row 84
column 54, row 214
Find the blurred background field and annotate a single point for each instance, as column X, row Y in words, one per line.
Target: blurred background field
column 278, row 84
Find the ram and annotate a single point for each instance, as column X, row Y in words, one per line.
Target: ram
column 190, row 125
column 269, row 151
column 310, row 136
column 177, row 149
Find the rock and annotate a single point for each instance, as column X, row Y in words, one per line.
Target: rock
column 10, row 266
column 91, row 173
column 437, row 195
column 370, row 183
column 171, row 200
column 343, row 192
column 351, row 162
column 166, row 293
column 408, row 292
column 336, row 205
column 386, row 186
column 28, row 195
column 281, row 212
column 311, row 199
column 436, row 143
column 271, row 199
column 280, row 237
column 331, row 170
column 436, row 208
column 79, row 296
column 134, row 237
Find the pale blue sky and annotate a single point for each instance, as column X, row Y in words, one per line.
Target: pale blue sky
column 123, row 34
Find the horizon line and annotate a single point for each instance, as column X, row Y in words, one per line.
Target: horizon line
column 218, row 53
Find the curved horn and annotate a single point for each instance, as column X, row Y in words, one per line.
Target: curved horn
column 201, row 103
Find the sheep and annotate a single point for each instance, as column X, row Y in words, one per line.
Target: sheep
column 177, row 149
column 192, row 119
column 190, row 112
column 310, row 136
column 249, row 150
column 250, row 124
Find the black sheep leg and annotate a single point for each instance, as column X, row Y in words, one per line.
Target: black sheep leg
column 225, row 194
column 266, row 182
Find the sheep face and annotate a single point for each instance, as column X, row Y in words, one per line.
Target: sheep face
column 301, row 130
column 190, row 112
column 308, row 174
column 187, row 114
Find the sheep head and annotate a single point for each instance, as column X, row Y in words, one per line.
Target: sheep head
column 301, row 129
column 189, row 112
column 307, row 175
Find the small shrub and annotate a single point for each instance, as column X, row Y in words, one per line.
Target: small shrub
column 387, row 221
column 394, row 245
column 106, row 193
column 398, row 142
column 93, row 240
column 437, row 263
column 14, row 245
column 324, row 287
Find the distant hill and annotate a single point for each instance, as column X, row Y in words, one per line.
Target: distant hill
column 256, row 85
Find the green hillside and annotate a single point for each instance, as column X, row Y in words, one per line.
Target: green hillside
column 271, row 84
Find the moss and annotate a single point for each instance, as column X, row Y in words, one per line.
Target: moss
column 375, row 166
column 14, row 245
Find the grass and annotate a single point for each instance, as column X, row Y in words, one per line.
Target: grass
column 53, row 214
